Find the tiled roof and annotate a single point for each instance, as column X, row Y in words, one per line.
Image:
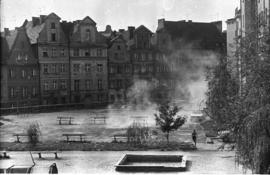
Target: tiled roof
column 33, row 31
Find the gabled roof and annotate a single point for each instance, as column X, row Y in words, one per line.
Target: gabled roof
column 52, row 15
column 10, row 38
column 87, row 19
column 143, row 28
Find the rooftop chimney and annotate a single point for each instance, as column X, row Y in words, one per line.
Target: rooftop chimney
column 35, row 21
column 131, row 31
column 42, row 18
column 218, row 24
column 161, row 23
column 7, row 32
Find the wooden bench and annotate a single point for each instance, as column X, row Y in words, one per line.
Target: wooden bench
column 46, row 152
column 18, row 135
column 65, row 119
column 121, row 137
column 98, row 120
column 80, row 135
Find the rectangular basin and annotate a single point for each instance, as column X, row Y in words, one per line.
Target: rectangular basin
column 150, row 163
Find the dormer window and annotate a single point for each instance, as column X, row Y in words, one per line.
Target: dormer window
column 87, row 34
column 52, row 25
column 53, row 37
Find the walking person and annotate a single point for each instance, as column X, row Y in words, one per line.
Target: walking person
column 194, row 136
column 53, row 169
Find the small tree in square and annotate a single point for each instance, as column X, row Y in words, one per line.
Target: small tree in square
column 168, row 120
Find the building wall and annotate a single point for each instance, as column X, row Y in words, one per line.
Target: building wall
column 89, row 75
column 54, row 62
column 120, row 71
column 21, row 74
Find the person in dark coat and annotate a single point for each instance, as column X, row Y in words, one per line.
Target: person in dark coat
column 53, row 169
column 194, row 136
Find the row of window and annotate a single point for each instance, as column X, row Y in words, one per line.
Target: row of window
column 119, row 69
column 22, row 73
column 54, row 68
column 144, row 68
column 119, row 84
column 87, row 68
column 53, row 52
column 93, row 52
column 142, row 57
column 88, row 84
column 54, row 85
column 24, row 91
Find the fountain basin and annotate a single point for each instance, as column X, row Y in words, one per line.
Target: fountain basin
column 151, row 163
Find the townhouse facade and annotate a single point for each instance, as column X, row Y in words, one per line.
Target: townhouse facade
column 89, row 75
column 182, row 45
column 51, row 48
column 119, row 70
column 75, row 63
column 19, row 70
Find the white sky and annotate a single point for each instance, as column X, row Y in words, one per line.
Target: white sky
column 118, row 13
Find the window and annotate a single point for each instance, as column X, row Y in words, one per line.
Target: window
column 53, row 68
column 119, row 84
column 87, row 34
column 45, row 52
column 100, row 97
column 45, row 68
column 54, row 52
column 76, row 85
column 86, row 53
column 24, row 91
column 87, row 67
column 62, row 52
column 118, row 47
column 46, row 86
column 54, row 84
column 62, row 68
column 12, row 92
column 88, row 84
column 53, row 37
column 135, row 57
column 11, row 73
column 34, row 91
column 99, row 84
column 76, row 67
column 23, row 73
column 150, row 56
column 99, row 52
column 99, row 67
column 76, row 52
column 34, row 72
column 115, row 55
column 52, row 25
column 127, row 69
column 143, row 56
column 63, row 84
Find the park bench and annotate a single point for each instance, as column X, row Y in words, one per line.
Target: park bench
column 18, row 135
column 80, row 135
column 67, row 120
column 46, row 152
column 120, row 138
column 98, row 120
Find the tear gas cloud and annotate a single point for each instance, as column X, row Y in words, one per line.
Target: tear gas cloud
column 188, row 66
